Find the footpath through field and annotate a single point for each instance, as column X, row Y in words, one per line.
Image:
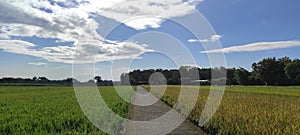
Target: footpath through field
column 160, row 117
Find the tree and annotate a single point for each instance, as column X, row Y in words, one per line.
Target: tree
column 285, row 60
column 134, row 77
column 230, row 77
column 34, row 78
column 185, row 74
column 254, row 79
column 270, row 71
column 43, row 79
column 241, row 75
column 284, row 80
column 68, row 80
column 125, row 79
column 205, row 74
column 292, row 71
column 97, row 79
column 175, row 78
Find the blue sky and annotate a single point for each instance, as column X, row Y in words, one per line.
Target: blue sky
column 41, row 38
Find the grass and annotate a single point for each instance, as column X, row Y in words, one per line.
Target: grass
column 50, row 110
column 244, row 110
column 247, row 109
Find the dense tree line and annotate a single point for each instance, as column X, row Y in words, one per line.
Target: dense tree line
column 45, row 81
column 269, row 71
column 272, row 71
column 36, row 81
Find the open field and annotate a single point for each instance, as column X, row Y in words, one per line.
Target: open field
column 50, row 110
column 244, row 110
column 247, row 109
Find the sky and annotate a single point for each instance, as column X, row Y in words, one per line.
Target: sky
column 82, row 38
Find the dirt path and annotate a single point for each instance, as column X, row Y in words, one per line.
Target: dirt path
column 162, row 119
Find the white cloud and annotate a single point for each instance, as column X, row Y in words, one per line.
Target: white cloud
column 64, row 20
column 143, row 23
column 259, row 46
column 86, row 52
column 215, row 38
column 37, row 63
column 193, row 40
column 70, row 21
column 46, row 19
column 153, row 11
column 192, row 65
column 43, row 19
column 16, row 46
column 212, row 39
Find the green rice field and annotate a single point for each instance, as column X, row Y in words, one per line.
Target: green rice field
column 243, row 110
column 50, row 110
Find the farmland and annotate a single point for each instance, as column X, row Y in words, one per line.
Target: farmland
column 50, row 110
column 247, row 109
column 243, row 110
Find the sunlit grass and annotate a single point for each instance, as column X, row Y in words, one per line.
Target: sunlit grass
column 247, row 109
column 50, row 110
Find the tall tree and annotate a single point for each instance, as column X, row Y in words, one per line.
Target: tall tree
column 255, row 79
column 241, row 75
column 125, row 79
column 230, row 77
column 270, row 71
column 292, row 71
column 283, row 62
column 43, row 79
column 34, row 78
column 97, row 79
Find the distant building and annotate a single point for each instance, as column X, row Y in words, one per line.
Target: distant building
column 203, row 82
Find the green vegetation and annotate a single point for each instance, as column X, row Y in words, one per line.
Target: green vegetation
column 243, row 110
column 50, row 110
column 247, row 109
column 269, row 71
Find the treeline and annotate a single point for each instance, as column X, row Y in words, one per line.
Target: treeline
column 269, row 71
column 35, row 81
column 45, row 81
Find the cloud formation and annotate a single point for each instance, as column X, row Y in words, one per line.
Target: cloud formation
column 153, row 12
column 86, row 53
column 259, row 46
column 34, row 19
column 212, row 39
column 69, row 21
column 64, row 20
